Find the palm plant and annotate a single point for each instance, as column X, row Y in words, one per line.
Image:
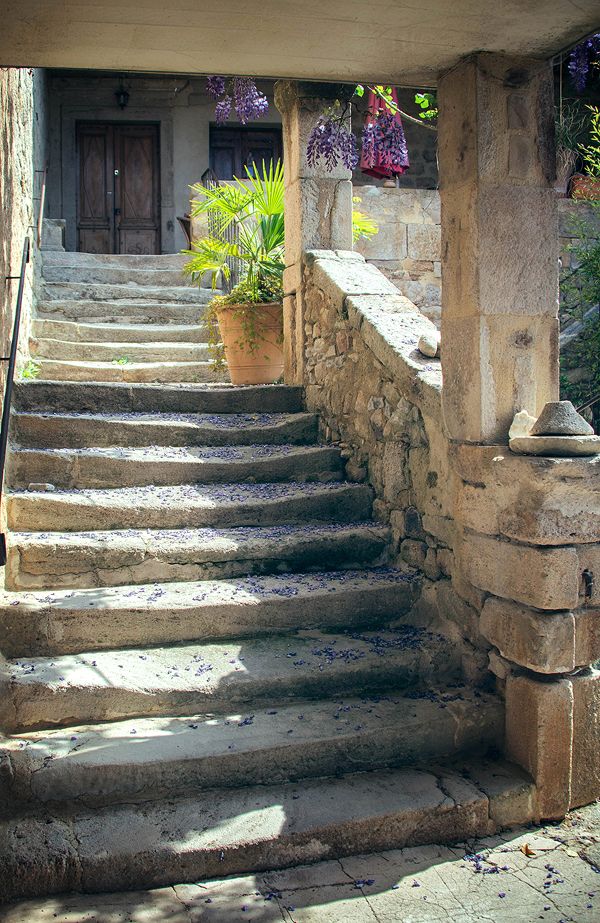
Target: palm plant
column 254, row 209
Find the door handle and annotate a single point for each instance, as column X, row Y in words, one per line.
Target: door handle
column 117, row 211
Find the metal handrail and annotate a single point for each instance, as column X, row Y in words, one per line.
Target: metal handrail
column 209, row 180
column 590, row 402
column 40, row 219
column 10, row 375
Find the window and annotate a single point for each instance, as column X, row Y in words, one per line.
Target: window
column 232, row 149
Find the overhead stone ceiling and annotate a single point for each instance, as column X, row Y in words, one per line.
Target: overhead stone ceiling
column 397, row 41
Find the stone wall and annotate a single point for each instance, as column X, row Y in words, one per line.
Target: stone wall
column 381, row 400
column 22, row 152
column 508, row 546
column 407, row 247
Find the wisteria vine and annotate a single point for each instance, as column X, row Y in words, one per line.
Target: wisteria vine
column 331, row 141
column 237, row 93
column 581, row 58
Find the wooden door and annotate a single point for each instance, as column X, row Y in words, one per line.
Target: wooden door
column 119, row 188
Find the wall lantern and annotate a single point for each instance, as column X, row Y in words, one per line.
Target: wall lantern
column 122, row 96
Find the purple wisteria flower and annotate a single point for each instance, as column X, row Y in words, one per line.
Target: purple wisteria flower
column 383, row 141
column 249, row 102
column 215, row 86
column 223, row 109
column 331, row 142
column 243, row 96
column 584, row 54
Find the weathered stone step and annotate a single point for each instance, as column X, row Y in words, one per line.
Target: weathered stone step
column 91, row 397
column 220, row 677
column 259, row 828
column 67, row 350
column 125, row 311
column 169, row 465
column 187, row 506
column 97, row 291
column 122, row 260
column 114, row 274
column 152, row 758
column 73, row 332
column 80, row 430
column 67, row 621
column 36, row 560
column 52, row 370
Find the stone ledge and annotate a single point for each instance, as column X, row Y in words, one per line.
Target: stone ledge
column 390, row 324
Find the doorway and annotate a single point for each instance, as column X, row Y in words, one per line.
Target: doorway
column 118, row 200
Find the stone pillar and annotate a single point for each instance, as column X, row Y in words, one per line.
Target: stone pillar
column 318, row 206
column 499, row 244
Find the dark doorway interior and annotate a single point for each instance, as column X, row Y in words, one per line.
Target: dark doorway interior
column 118, row 201
column 232, row 149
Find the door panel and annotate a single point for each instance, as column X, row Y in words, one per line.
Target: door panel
column 118, row 209
column 95, row 207
column 136, row 189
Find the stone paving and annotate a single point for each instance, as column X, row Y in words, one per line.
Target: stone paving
column 549, row 873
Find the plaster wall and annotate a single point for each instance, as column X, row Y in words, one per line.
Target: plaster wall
column 179, row 104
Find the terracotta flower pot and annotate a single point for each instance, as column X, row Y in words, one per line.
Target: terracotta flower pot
column 253, row 341
column 585, row 187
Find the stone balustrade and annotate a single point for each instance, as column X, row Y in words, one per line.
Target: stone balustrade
column 502, row 540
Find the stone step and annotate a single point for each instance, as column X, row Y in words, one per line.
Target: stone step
column 72, row 332
column 149, row 759
column 192, row 506
column 67, row 621
column 36, row 560
column 74, row 397
column 221, row 677
column 141, row 351
column 120, row 260
column 153, row 372
column 170, row 465
column 81, row 430
column 229, row 832
column 114, row 274
column 104, row 292
column 125, row 311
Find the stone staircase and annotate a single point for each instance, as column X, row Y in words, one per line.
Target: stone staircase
column 212, row 664
column 119, row 318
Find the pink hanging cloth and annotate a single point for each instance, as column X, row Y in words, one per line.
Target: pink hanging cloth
column 378, row 160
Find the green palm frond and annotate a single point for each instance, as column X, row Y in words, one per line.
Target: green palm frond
column 254, row 207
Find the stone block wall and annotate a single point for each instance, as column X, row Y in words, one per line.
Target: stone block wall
column 407, row 247
column 506, row 547
column 22, row 152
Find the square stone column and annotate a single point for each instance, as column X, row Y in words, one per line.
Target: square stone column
column 318, row 205
column 499, row 244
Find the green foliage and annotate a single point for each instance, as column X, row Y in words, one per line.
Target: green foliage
column 591, row 151
column 122, row 360
column 254, row 207
column 427, row 102
column 30, row 370
column 580, row 291
column 363, row 227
